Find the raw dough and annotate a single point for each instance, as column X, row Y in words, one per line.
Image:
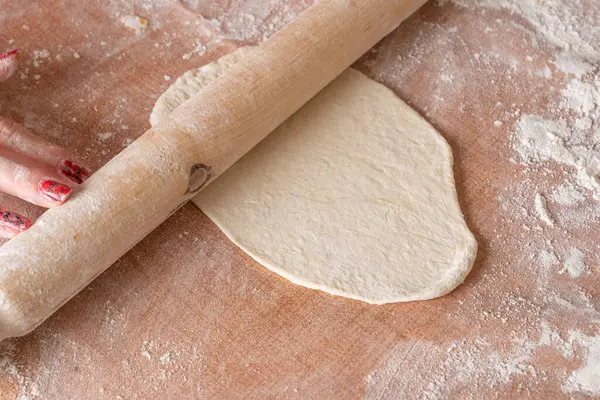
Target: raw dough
column 191, row 82
column 353, row 195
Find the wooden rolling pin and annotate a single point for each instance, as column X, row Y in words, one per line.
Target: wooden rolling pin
column 120, row 204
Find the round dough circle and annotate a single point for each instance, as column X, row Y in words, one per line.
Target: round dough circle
column 353, row 195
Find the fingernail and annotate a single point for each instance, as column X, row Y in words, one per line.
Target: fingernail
column 73, row 171
column 54, row 191
column 14, row 52
column 14, row 221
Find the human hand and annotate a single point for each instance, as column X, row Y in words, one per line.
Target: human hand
column 31, row 168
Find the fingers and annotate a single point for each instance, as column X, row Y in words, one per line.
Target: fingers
column 8, row 64
column 30, row 167
column 34, row 169
column 33, row 182
column 16, row 139
column 12, row 224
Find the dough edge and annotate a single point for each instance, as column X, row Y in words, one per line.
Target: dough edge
column 454, row 276
column 457, row 268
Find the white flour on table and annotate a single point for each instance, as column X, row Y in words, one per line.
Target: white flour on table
column 554, row 197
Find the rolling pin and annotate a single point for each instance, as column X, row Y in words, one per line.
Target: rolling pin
column 68, row 246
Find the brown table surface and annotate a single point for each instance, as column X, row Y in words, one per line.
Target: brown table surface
column 186, row 314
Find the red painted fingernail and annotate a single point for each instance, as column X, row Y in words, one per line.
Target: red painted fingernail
column 9, row 54
column 73, row 171
column 54, row 191
column 14, row 221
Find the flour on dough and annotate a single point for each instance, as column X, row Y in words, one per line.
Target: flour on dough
column 353, row 195
column 192, row 81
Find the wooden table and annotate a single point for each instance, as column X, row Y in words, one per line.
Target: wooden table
column 186, row 314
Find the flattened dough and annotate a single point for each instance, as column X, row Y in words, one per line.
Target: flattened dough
column 353, row 195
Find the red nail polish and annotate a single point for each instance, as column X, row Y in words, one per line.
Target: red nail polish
column 10, row 53
column 14, row 221
column 54, row 191
column 73, row 171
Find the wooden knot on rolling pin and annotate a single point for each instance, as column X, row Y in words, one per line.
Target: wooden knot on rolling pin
column 200, row 174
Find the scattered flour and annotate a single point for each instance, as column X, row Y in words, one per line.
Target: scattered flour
column 541, row 209
column 539, row 140
column 137, row 23
column 568, row 64
column 560, row 144
column 144, row 352
column 172, row 363
column 561, row 147
column 482, row 366
column 37, row 57
column 570, row 26
column 553, row 136
column 586, row 379
column 574, row 263
column 104, row 136
column 583, row 97
column 549, row 337
column 25, row 388
column 547, row 259
column 567, row 194
column 241, row 21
